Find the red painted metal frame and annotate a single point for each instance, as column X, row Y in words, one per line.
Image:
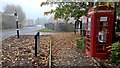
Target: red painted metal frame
column 95, row 29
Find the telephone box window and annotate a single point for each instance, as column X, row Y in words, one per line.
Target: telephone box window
column 88, row 48
column 103, row 29
column 102, row 36
column 103, row 23
column 89, row 24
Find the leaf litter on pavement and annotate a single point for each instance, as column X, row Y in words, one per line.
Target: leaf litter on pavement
column 65, row 52
column 20, row 52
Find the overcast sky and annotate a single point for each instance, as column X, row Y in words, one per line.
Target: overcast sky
column 31, row 8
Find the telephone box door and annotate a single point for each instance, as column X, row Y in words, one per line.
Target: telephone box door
column 103, row 31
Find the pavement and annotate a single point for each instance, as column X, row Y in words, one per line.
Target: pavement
column 65, row 52
column 22, row 31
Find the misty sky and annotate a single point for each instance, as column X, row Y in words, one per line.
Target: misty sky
column 31, row 8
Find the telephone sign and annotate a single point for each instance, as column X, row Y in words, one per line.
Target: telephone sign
column 103, row 18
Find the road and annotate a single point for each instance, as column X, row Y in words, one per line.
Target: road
column 23, row 31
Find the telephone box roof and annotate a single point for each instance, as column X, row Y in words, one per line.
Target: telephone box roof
column 101, row 7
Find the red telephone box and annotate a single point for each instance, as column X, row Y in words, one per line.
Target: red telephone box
column 99, row 31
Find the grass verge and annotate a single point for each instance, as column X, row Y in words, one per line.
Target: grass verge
column 46, row 30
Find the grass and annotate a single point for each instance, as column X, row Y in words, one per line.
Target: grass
column 46, row 30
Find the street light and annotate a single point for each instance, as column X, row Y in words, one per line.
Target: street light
column 17, row 28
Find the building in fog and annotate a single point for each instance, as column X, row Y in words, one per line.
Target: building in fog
column 0, row 20
column 29, row 22
column 37, row 21
column 40, row 21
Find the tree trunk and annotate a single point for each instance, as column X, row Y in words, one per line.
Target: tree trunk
column 113, row 40
column 118, row 25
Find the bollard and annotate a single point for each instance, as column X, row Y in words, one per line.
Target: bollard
column 36, row 43
column 17, row 29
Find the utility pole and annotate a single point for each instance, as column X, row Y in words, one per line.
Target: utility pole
column 17, row 28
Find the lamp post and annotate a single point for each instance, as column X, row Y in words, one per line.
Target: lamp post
column 17, row 28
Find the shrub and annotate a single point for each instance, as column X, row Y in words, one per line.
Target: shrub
column 81, row 43
column 115, row 54
column 117, row 36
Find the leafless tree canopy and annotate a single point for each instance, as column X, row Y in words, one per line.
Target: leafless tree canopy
column 8, row 21
column 10, row 9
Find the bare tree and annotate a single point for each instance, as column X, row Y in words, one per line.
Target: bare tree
column 10, row 9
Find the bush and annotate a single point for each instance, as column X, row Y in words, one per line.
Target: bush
column 81, row 43
column 117, row 36
column 115, row 54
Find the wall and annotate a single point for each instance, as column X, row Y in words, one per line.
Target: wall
column 60, row 27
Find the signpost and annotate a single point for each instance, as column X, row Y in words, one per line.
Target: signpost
column 17, row 28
